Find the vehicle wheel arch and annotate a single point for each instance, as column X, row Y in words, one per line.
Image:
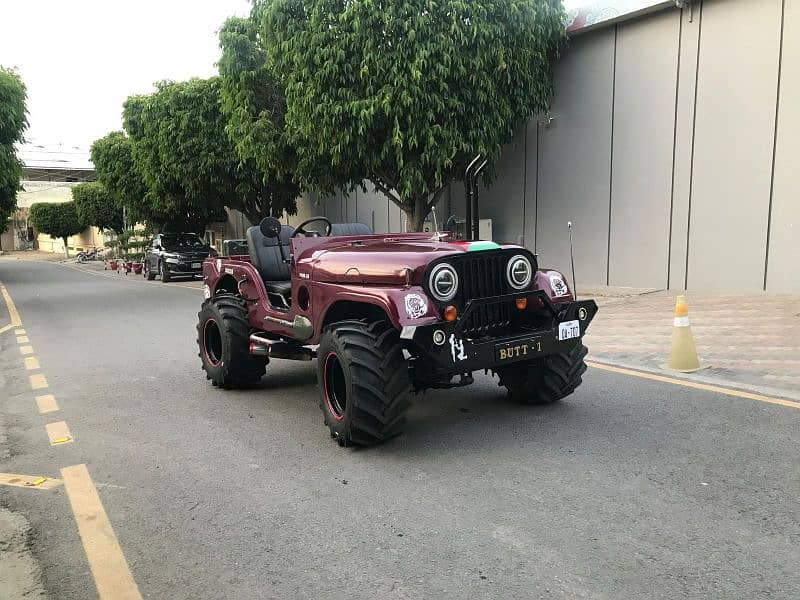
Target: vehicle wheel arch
column 226, row 284
column 346, row 310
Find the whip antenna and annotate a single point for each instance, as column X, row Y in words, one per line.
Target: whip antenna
column 572, row 260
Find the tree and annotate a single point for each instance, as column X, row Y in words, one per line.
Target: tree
column 112, row 156
column 13, row 122
column 253, row 104
column 405, row 92
column 97, row 207
column 57, row 219
column 189, row 166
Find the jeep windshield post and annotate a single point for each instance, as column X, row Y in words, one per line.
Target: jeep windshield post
column 388, row 316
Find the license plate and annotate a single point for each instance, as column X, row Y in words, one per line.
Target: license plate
column 199, row 265
column 519, row 350
column 568, row 330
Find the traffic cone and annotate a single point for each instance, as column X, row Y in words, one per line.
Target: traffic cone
column 684, row 354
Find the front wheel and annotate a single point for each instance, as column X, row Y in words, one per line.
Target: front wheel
column 364, row 385
column 163, row 270
column 547, row 379
column 223, row 336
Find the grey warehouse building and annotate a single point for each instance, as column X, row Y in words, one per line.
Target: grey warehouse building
column 672, row 144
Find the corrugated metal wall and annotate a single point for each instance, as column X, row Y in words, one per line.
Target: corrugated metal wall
column 673, row 148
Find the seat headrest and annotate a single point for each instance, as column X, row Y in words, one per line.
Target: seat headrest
column 340, row 229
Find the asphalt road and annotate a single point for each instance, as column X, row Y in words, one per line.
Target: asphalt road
column 629, row 489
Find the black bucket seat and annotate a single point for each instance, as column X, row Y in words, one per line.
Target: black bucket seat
column 268, row 257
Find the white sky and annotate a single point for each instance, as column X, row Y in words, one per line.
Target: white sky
column 80, row 59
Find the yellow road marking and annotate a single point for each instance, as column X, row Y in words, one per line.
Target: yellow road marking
column 38, row 381
column 12, row 309
column 5, row 328
column 22, row 339
column 31, row 481
column 110, row 570
column 58, row 433
column 31, row 363
column 20, row 331
column 26, row 350
column 695, row 385
column 46, row 403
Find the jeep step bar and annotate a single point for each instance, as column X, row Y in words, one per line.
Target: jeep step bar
column 262, row 346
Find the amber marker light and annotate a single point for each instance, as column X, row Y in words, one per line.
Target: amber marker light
column 522, row 303
column 450, row 313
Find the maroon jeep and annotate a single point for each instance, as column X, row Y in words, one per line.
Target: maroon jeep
column 389, row 315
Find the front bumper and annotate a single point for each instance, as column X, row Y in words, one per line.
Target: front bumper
column 186, row 268
column 443, row 348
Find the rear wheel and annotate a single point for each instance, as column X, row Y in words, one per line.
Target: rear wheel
column 547, row 379
column 223, row 337
column 364, row 385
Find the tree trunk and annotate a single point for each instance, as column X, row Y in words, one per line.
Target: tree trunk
column 66, row 248
column 416, row 213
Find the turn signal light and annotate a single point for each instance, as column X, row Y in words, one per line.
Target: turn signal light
column 450, row 313
column 522, row 303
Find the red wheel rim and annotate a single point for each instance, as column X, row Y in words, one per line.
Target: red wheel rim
column 333, row 380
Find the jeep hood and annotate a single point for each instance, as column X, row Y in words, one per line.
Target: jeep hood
column 386, row 261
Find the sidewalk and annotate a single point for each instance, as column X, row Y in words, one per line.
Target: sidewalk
column 33, row 255
column 750, row 341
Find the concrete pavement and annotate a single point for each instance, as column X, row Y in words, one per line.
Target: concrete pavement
column 751, row 341
column 629, row 489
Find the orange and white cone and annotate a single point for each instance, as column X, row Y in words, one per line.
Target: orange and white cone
column 684, row 354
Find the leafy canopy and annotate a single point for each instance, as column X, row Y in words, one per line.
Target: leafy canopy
column 13, row 122
column 189, row 167
column 57, row 219
column 112, row 156
column 405, row 92
column 95, row 206
column 253, row 104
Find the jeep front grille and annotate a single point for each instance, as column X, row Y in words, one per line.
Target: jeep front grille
column 483, row 275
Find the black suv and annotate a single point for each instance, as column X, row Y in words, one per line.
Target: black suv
column 176, row 255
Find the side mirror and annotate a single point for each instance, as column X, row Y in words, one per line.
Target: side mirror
column 270, row 227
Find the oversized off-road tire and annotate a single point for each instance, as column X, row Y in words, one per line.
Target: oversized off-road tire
column 546, row 379
column 148, row 272
column 163, row 271
column 364, row 384
column 223, row 336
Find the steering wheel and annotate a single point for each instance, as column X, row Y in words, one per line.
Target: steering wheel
column 301, row 228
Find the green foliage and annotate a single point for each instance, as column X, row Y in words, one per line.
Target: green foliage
column 253, row 104
column 112, row 156
column 96, row 207
column 130, row 244
column 57, row 219
column 13, row 122
column 405, row 93
column 189, row 167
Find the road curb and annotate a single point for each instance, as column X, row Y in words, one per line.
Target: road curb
column 699, row 377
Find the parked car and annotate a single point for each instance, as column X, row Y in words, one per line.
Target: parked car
column 175, row 255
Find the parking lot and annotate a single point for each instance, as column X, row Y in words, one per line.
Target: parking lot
column 630, row 488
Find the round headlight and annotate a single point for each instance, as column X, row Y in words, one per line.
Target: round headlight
column 519, row 272
column 443, row 282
